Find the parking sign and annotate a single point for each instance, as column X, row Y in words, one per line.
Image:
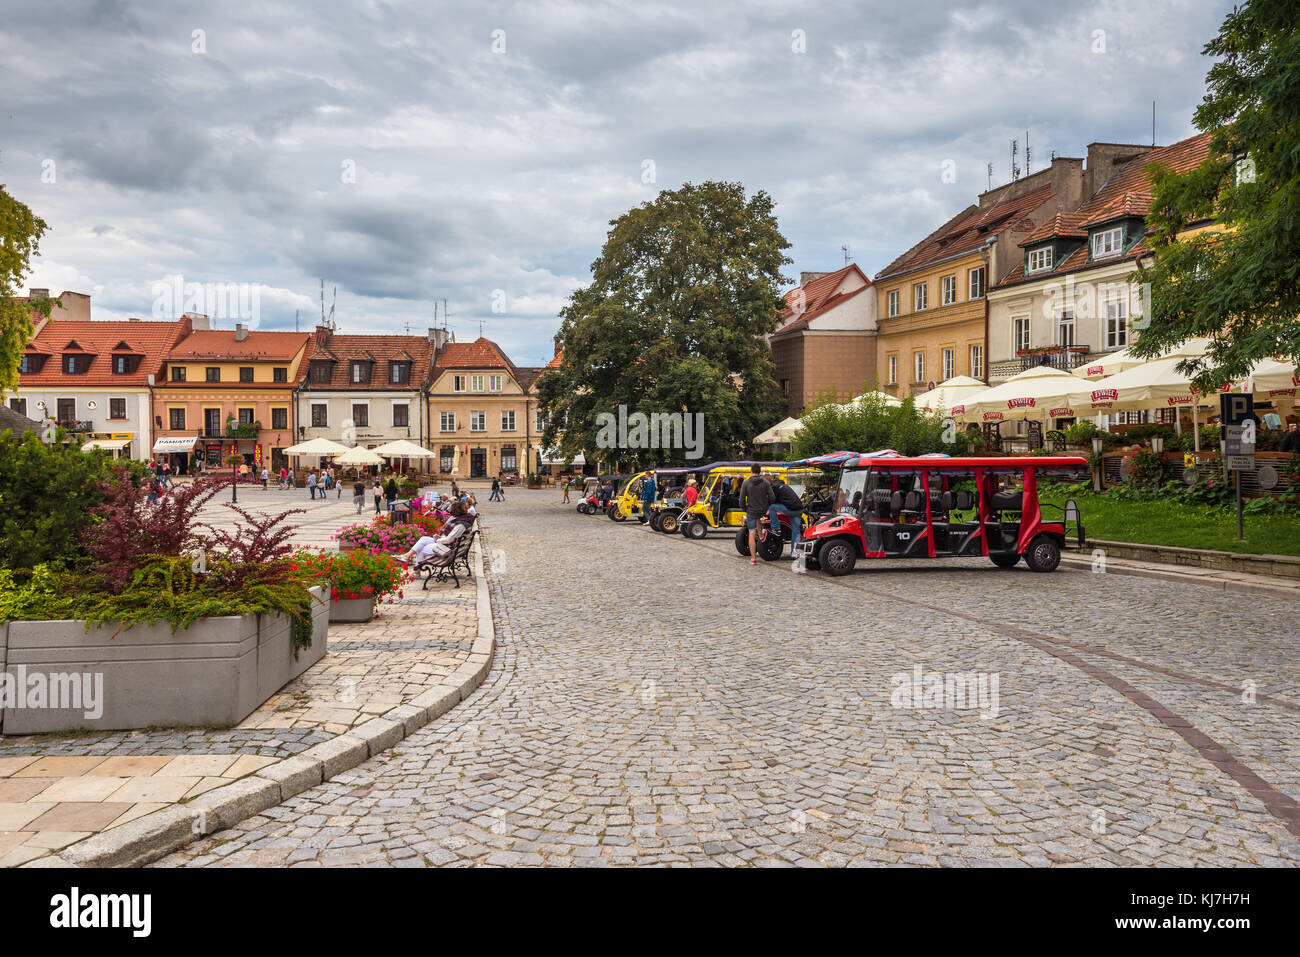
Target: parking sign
column 1236, row 408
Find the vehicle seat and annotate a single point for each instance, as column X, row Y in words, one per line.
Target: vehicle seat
column 965, row 500
column 1008, row 501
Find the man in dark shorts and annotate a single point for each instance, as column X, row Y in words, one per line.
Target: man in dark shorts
column 755, row 499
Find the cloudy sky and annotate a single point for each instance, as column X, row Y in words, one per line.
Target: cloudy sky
column 411, row 152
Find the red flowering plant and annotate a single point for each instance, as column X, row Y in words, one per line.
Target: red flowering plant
column 379, row 537
column 352, row 575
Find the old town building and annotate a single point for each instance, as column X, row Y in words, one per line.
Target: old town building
column 825, row 338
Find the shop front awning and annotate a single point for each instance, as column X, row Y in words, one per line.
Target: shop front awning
column 176, row 443
column 554, row 458
column 111, row 445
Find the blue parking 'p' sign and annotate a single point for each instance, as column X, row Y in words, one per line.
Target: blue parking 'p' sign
column 1236, row 408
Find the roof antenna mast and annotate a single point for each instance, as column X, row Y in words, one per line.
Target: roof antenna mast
column 845, row 249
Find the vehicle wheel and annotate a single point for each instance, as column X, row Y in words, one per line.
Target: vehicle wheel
column 697, row 530
column 668, row 523
column 770, row 546
column 742, row 542
column 1005, row 559
column 655, row 519
column 810, row 562
column 1043, row 554
column 616, row 513
column 837, row 557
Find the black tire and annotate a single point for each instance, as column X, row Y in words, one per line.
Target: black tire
column 1043, row 554
column 770, row 546
column 837, row 557
column 1005, row 559
column 655, row 518
column 742, row 542
column 615, row 513
column 669, row 522
column 697, row 530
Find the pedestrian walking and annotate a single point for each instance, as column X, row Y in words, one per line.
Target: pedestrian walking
column 284, row 477
column 390, row 493
column 289, row 476
column 379, row 495
column 359, row 495
column 266, row 477
column 496, row 491
column 567, row 484
column 338, row 485
column 755, row 499
column 311, row 483
column 648, row 492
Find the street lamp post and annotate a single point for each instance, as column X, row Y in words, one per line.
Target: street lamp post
column 234, row 482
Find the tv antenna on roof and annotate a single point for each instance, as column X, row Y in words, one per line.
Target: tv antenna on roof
column 1028, row 167
column 1015, row 151
column 845, row 249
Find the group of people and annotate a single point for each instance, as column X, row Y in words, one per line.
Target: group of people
column 498, row 490
column 460, row 516
column 769, row 496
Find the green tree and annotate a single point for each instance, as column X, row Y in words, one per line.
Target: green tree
column 870, row 425
column 1241, row 283
column 20, row 234
column 673, row 321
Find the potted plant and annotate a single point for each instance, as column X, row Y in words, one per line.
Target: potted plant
column 356, row 581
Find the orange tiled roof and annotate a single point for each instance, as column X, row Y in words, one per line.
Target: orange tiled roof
column 819, row 296
column 1062, row 225
column 555, row 363
column 220, row 345
column 966, row 232
column 99, row 339
column 480, row 354
column 379, row 349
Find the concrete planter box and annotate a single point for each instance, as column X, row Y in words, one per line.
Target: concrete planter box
column 216, row 672
column 352, row 610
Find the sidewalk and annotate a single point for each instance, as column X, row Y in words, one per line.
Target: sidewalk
column 1241, row 582
column 123, row 798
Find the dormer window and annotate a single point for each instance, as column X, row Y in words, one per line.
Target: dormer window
column 399, row 372
column 1108, row 242
column 360, row 373
column 320, row 373
column 124, row 365
column 76, row 365
column 1040, row 259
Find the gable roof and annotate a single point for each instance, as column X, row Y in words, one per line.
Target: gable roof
column 480, row 354
column 1128, row 193
column 220, row 345
column 820, row 295
column 966, row 232
column 1061, row 225
column 99, row 339
column 378, row 349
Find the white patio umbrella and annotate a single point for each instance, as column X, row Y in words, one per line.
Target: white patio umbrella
column 884, row 397
column 1123, row 360
column 1040, row 392
column 316, row 447
column 1275, row 377
column 358, row 456
column 958, row 390
column 783, row 431
column 402, row 449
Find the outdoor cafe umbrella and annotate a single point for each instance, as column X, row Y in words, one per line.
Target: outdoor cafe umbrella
column 884, row 397
column 1038, row 392
column 358, row 456
column 402, row 449
column 958, row 390
column 783, row 431
column 1124, row 359
column 1275, row 377
column 316, row 447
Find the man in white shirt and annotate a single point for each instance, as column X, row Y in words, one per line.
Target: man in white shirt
column 428, row 547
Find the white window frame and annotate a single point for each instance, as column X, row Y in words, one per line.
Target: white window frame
column 977, row 361
column 494, row 383
column 478, row 420
column 1063, row 322
column 459, row 382
column 541, row 422
column 447, row 421
column 1116, row 322
column 948, row 290
column 920, row 296
column 1040, row 259
column 893, row 369
column 511, row 426
column 892, row 307
column 918, row 366
column 476, row 383
column 1108, row 242
column 975, row 284
column 948, row 362
column 1021, row 334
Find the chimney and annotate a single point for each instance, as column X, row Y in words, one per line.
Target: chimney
column 241, row 332
column 438, row 337
column 807, row 277
column 198, row 321
column 557, row 348
column 38, row 293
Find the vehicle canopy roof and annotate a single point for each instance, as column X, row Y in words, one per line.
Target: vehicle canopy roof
column 938, row 462
column 830, row 458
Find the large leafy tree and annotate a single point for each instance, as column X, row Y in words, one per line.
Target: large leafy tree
column 1239, row 283
column 673, row 321
column 20, row 234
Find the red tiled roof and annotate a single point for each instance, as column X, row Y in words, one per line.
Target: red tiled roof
column 555, row 363
column 220, row 345
column 820, row 295
column 479, row 354
column 99, row 339
column 1064, row 225
column 379, row 349
column 966, row 232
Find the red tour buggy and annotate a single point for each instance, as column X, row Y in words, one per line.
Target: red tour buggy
column 934, row 506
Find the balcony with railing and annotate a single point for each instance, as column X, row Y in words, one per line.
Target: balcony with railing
column 1058, row 357
column 75, row 425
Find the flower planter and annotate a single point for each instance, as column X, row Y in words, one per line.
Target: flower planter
column 215, row 672
column 346, row 546
column 352, row 610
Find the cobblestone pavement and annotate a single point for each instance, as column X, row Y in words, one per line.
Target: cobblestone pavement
column 659, row 701
column 58, row 789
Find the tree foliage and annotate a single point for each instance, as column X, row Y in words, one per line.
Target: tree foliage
column 684, row 290
column 20, row 234
column 870, row 425
column 1239, row 283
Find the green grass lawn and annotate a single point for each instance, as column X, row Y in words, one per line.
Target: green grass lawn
column 1183, row 526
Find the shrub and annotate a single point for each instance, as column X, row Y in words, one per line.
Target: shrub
column 352, row 575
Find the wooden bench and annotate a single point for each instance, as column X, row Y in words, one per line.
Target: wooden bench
column 440, row 568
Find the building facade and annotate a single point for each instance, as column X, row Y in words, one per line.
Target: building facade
column 366, row 389
column 826, row 338
column 482, row 412
column 94, row 378
column 227, row 392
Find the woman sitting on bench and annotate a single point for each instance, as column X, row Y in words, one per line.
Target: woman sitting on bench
column 428, row 547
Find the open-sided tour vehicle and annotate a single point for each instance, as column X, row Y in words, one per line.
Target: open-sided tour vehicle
column 589, row 499
column 934, row 506
column 718, row 506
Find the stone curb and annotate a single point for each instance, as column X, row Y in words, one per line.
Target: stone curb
column 1173, row 574
column 156, row 835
